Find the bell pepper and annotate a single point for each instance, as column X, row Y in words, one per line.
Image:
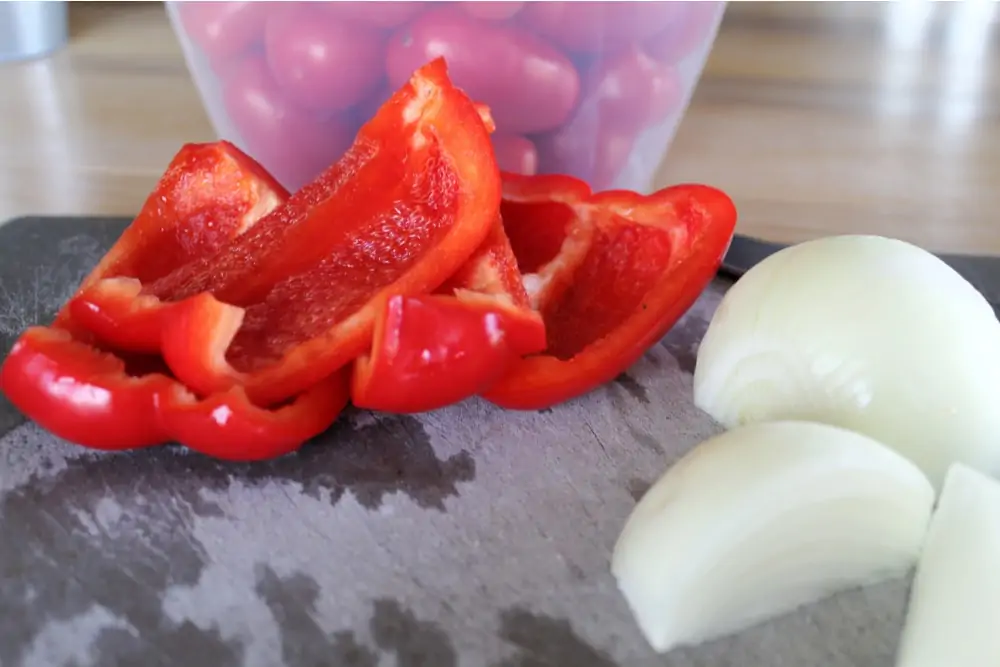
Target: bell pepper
column 398, row 214
column 228, row 426
column 90, row 397
column 81, row 394
column 209, row 194
column 613, row 272
column 430, row 351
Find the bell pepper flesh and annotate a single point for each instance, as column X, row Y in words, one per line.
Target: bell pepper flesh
column 209, row 194
column 194, row 340
column 430, row 351
column 400, row 212
column 116, row 312
column 228, row 426
column 538, row 215
column 81, row 394
column 645, row 260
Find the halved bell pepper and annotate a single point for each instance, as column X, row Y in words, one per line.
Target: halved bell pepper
column 400, row 212
column 430, row 351
column 209, row 194
column 90, row 397
column 613, row 272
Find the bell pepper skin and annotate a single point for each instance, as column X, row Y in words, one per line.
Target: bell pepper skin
column 430, row 351
column 209, row 194
column 401, row 211
column 629, row 267
column 81, row 394
column 88, row 397
column 228, row 426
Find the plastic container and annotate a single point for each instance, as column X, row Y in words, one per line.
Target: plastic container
column 32, row 29
column 592, row 89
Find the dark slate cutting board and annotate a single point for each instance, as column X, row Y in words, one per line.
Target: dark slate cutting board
column 465, row 537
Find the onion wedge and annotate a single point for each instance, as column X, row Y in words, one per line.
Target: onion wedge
column 763, row 519
column 867, row 333
column 953, row 619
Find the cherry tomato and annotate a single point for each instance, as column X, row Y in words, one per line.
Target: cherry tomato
column 379, row 14
column 586, row 148
column 224, row 30
column 292, row 144
column 631, row 89
column 492, row 11
column 668, row 93
column 528, row 85
column 515, row 154
column 690, row 29
column 597, row 26
column 322, row 62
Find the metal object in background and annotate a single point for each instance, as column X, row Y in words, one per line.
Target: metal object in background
column 32, row 29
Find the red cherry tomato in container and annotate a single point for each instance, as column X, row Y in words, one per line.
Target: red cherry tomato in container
column 528, row 85
column 631, row 90
column 379, row 14
column 322, row 62
column 515, row 154
column 492, row 11
column 688, row 31
column 622, row 95
column 223, row 30
column 292, row 144
column 597, row 27
column 587, row 149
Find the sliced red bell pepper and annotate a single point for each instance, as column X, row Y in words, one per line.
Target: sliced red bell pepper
column 209, row 194
column 629, row 266
column 430, row 351
column 81, row 394
column 228, row 426
column 400, row 212
column 89, row 397
column 116, row 313
column 538, row 213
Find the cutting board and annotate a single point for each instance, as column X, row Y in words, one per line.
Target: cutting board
column 465, row 537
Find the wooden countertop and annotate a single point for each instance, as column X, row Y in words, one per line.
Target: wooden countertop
column 817, row 118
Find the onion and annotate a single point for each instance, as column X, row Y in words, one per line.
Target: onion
column 871, row 334
column 762, row 519
column 954, row 612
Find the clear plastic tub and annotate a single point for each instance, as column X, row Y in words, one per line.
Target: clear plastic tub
column 592, row 89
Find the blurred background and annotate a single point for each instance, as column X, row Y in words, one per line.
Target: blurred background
column 817, row 118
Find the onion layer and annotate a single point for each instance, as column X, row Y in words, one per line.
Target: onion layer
column 953, row 618
column 871, row 334
column 762, row 519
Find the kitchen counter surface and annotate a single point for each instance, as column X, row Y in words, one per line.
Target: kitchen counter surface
column 817, row 118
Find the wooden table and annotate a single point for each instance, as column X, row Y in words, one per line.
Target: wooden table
column 818, row 118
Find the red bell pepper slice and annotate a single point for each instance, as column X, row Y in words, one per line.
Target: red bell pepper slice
column 116, row 313
column 228, row 426
column 89, row 397
column 430, row 351
column 209, row 194
column 400, row 212
column 81, row 394
column 629, row 266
